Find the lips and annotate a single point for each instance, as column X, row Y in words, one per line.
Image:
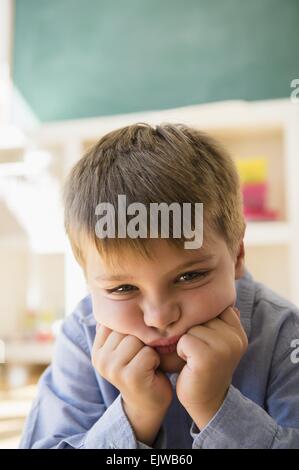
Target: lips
column 165, row 341
column 166, row 345
column 166, row 349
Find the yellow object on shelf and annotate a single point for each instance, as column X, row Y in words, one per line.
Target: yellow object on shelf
column 252, row 170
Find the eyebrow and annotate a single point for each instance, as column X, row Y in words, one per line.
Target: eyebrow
column 119, row 277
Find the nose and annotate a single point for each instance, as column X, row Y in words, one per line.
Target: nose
column 162, row 315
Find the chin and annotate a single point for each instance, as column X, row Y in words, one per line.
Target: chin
column 171, row 362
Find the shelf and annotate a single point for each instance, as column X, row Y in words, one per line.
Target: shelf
column 267, row 233
column 28, row 352
column 225, row 117
column 19, row 242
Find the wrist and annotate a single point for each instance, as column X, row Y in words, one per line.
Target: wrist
column 143, row 409
column 202, row 414
column 145, row 423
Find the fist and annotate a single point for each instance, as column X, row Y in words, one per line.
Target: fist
column 131, row 367
column 212, row 351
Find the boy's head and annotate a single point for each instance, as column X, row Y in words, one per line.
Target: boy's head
column 163, row 164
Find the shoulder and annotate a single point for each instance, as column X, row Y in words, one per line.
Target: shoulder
column 83, row 312
column 263, row 294
column 274, row 304
column 264, row 311
column 79, row 326
column 271, row 322
column 273, row 314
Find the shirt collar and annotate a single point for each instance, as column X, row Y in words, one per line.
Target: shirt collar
column 245, row 288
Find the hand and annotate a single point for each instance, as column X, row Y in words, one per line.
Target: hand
column 132, row 367
column 212, row 351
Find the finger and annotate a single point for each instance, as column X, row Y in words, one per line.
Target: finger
column 112, row 341
column 209, row 336
column 218, row 336
column 227, row 333
column 231, row 317
column 219, row 325
column 102, row 333
column 190, row 348
column 224, row 340
column 146, row 360
column 128, row 348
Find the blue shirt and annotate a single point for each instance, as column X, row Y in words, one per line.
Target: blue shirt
column 77, row 408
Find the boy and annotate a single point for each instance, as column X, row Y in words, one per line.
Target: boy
column 174, row 347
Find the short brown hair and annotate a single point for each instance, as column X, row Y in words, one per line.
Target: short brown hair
column 166, row 163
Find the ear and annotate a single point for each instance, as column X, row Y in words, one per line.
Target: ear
column 240, row 261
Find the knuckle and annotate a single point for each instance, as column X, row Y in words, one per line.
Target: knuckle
column 137, row 341
column 238, row 347
column 148, row 354
column 132, row 340
column 147, row 350
column 241, row 342
column 182, row 340
column 193, row 329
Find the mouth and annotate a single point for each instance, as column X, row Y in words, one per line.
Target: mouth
column 166, row 345
column 166, row 349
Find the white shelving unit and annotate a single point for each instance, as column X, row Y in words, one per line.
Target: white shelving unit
column 29, row 352
column 268, row 128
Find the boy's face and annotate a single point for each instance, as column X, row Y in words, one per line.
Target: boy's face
column 165, row 296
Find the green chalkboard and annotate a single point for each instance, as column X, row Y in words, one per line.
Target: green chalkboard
column 82, row 58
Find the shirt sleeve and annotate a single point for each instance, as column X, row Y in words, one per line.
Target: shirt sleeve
column 69, row 410
column 242, row 424
column 121, row 433
column 119, row 427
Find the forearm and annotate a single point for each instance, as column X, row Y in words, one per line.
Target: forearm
column 241, row 423
column 145, row 425
column 203, row 415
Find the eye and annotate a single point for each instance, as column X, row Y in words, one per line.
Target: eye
column 124, row 289
column 187, row 277
column 192, row 275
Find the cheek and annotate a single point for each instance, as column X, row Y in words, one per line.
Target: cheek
column 209, row 301
column 116, row 315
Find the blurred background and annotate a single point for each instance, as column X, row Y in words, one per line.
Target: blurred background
column 72, row 70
